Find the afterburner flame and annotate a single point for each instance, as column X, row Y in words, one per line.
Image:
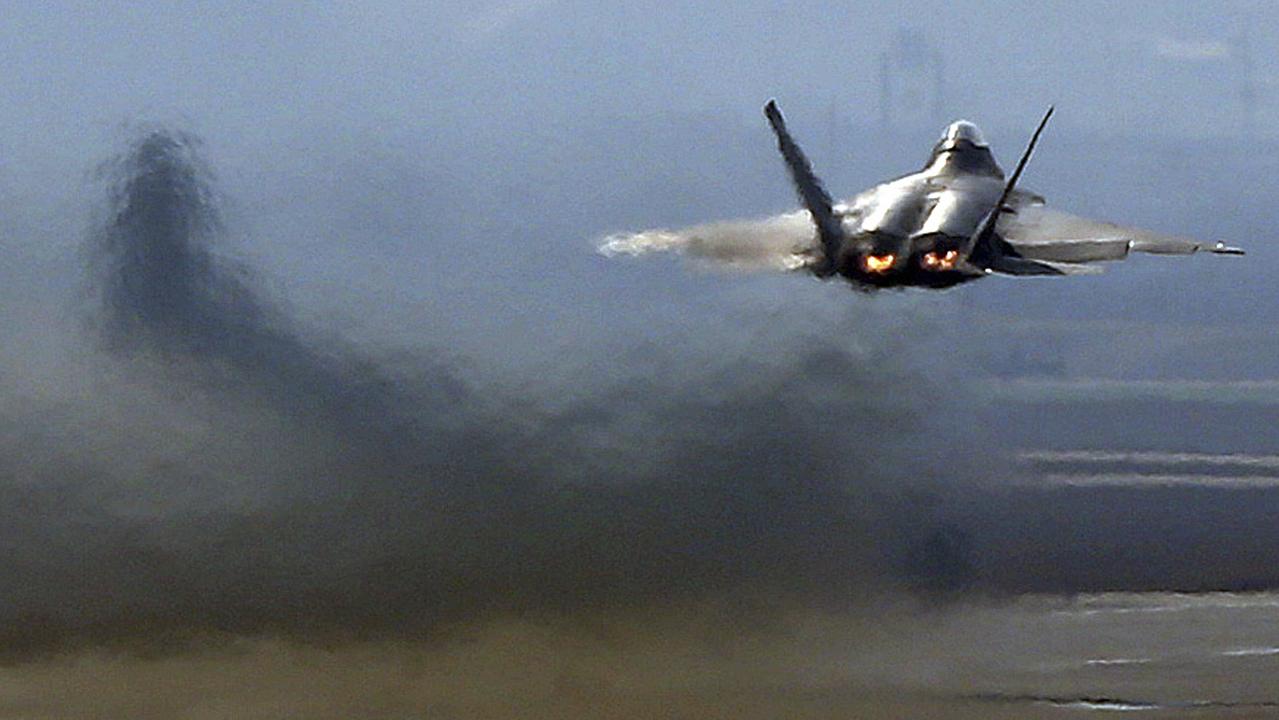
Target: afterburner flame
column 879, row 263
column 940, row 261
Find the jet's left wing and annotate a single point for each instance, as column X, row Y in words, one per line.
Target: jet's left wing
column 1036, row 232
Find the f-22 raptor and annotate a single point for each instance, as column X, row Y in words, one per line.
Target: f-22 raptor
column 957, row 219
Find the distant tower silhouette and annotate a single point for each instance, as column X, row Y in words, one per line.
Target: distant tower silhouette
column 912, row 82
column 834, row 127
column 885, row 92
column 1247, row 83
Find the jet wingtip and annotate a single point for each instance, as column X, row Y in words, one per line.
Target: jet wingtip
column 1224, row 249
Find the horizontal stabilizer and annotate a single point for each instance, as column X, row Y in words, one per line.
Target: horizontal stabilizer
column 1010, row 265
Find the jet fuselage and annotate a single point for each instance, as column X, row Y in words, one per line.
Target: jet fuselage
column 918, row 229
column 955, row 220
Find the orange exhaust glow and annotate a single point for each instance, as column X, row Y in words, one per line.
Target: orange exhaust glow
column 879, row 263
column 940, row 261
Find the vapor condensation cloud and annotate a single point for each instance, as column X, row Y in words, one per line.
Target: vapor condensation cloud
column 784, row 242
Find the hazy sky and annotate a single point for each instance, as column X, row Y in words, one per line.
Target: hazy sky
column 240, row 70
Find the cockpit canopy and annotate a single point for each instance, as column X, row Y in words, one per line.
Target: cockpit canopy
column 961, row 131
column 963, row 148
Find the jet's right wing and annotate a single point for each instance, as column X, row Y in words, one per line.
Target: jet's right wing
column 1037, row 232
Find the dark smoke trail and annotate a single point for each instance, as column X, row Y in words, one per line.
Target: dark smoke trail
column 422, row 501
column 811, row 468
column 161, row 282
column 392, row 501
column 694, row 500
column 167, row 290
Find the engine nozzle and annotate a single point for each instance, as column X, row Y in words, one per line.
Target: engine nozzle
column 878, row 264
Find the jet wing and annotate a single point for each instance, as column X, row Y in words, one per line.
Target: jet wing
column 1037, row 232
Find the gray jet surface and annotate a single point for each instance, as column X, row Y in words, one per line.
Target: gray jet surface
column 957, row 219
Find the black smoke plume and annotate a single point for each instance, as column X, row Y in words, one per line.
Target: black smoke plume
column 162, row 283
column 238, row 473
column 392, row 497
column 168, row 291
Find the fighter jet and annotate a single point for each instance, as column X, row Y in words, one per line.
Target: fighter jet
column 957, row 219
